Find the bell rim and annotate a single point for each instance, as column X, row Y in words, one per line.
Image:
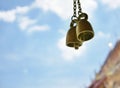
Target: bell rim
column 68, row 44
column 85, row 32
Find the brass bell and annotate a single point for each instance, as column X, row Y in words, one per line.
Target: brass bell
column 84, row 29
column 71, row 38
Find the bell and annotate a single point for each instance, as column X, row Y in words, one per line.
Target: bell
column 84, row 29
column 71, row 38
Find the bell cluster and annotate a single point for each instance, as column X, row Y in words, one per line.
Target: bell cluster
column 79, row 32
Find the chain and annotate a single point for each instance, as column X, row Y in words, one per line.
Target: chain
column 79, row 7
column 75, row 3
column 74, row 10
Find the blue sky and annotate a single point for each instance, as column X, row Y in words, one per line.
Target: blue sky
column 33, row 53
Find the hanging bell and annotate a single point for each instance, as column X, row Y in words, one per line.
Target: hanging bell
column 71, row 38
column 84, row 29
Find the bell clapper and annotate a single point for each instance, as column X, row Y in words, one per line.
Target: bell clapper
column 76, row 46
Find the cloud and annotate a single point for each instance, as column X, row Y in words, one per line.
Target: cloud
column 22, row 10
column 39, row 28
column 112, row 4
column 101, row 34
column 59, row 7
column 64, row 9
column 30, row 25
column 108, row 37
column 89, row 6
column 25, row 22
column 8, row 16
column 11, row 15
column 69, row 53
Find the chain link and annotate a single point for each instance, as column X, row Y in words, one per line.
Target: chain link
column 75, row 4
column 74, row 8
column 79, row 7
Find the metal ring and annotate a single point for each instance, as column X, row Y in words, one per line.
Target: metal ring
column 83, row 16
column 73, row 17
column 79, row 12
column 72, row 23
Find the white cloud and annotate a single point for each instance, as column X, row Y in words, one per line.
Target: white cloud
column 8, row 16
column 89, row 6
column 112, row 4
column 101, row 34
column 30, row 26
column 64, row 9
column 104, row 37
column 11, row 15
column 22, row 10
column 57, row 6
column 25, row 22
column 69, row 53
column 39, row 28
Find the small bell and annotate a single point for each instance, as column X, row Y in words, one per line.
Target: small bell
column 84, row 29
column 71, row 38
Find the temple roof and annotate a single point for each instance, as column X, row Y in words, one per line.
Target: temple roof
column 110, row 67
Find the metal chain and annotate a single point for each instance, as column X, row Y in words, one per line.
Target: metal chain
column 79, row 7
column 74, row 10
column 75, row 3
